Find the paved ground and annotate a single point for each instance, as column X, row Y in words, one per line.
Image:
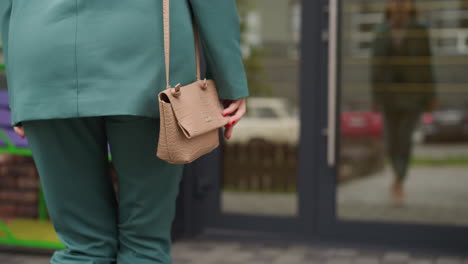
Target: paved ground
column 435, row 195
column 222, row 252
column 252, row 203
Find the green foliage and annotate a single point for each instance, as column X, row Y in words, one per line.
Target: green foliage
column 256, row 74
column 442, row 161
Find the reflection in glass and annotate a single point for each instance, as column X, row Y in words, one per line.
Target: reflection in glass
column 402, row 83
column 260, row 158
column 404, row 112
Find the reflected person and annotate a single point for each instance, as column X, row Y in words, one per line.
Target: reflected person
column 402, row 83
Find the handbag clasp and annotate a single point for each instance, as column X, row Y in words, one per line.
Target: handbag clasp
column 176, row 90
column 204, row 84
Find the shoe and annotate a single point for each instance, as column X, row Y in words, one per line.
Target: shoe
column 397, row 193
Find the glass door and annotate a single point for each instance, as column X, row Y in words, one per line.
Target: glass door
column 398, row 120
column 261, row 180
column 260, row 160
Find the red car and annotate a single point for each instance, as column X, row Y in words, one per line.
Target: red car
column 447, row 125
column 360, row 125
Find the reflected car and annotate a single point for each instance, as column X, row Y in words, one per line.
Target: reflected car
column 357, row 124
column 273, row 120
column 269, row 119
column 445, row 125
column 361, row 148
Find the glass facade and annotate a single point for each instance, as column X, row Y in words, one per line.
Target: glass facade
column 403, row 153
column 260, row 158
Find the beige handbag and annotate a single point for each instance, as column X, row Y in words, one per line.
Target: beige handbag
column 190, row 116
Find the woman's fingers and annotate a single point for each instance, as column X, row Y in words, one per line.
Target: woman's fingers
column 231, row 108
column 239, row 111
column 228, row 132
column 19, row 131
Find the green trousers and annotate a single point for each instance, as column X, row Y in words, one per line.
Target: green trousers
column 96, row 225
column 399, row 127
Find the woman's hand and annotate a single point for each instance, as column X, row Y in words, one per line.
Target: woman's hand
column 235, row 109
column 19, row 130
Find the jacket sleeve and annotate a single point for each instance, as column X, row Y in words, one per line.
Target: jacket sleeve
column 219, row 32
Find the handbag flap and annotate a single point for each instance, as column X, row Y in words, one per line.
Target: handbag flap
column 197, row 110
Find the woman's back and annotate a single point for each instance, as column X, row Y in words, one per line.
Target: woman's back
column 88, row 58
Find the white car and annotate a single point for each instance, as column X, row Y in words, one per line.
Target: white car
column 267, row 118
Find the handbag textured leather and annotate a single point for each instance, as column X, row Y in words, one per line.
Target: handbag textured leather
column 190, row 115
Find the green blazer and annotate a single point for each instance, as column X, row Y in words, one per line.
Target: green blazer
column 91, row 58
column 402, row 78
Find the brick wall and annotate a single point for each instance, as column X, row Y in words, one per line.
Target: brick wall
column 19, row 187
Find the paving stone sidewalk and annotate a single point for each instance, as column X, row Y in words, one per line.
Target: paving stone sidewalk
column 228, row 252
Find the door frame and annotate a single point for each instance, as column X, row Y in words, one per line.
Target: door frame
column 304, row 224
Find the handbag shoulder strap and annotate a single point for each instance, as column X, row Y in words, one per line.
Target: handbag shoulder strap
column 166, row 20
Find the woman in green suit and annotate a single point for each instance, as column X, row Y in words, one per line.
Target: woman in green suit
column 402, row 83
column 82, row 74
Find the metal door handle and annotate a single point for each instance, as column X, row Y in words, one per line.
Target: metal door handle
column 332, row 80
